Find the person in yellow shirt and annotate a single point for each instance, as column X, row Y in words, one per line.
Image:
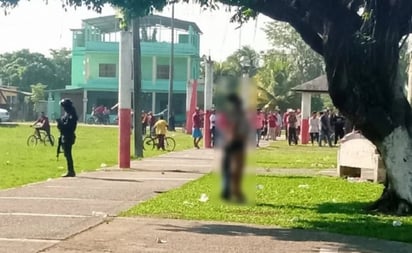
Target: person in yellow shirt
column 161, row 129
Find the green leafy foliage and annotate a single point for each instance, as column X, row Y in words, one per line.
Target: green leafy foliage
column 289, row 63
column 24, row 68
column 37, row 96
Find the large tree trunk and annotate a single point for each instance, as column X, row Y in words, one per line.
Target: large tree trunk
column 362, row 75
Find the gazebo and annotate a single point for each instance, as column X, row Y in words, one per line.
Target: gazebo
column 317, row 85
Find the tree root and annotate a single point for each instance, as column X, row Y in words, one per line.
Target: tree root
column 390, row 203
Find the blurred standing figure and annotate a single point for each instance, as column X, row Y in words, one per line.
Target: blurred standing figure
column 234, row 150
column 197, row 125
column 259, row 123
column 325, row 129
column 67, row 125
column 272, row 126
column 298, row 121
column 213, row 131
column 278, row 123
column 151, row 120
column 339, row 124
column 292, row 123
column 144, row 118
column 314, row 128
column 285, row 123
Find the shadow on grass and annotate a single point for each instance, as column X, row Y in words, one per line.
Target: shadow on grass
column 270, row 205
column 344, row 243
column 344, row 208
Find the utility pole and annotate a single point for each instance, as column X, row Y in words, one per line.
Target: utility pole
column 208, row 99
column 125, row 87
column 171, row 68
column 137, row 94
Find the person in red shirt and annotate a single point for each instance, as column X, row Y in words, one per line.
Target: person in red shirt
column 272, row 126
column 42, row 123
column 98, row 114
column 197, row 125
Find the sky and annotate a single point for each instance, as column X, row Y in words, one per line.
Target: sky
column 39, row 27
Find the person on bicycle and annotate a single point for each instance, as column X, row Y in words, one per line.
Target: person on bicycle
column 98, row 114
column 42, row 123
column 161, row 129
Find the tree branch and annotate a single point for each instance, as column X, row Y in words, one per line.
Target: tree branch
column 308, row 16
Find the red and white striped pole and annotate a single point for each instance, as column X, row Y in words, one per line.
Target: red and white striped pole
column 208, row 100
column 305, row 115
column 125, row 88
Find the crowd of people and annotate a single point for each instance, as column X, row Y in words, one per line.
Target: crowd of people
column 325, row 127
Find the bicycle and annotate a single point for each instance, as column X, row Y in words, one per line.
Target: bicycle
column 33, row 139
column 150, row 142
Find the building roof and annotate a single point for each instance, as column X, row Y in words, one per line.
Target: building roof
column 317, row 85
column 109, row 24
column 14, row 90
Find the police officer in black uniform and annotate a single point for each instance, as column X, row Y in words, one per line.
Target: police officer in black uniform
column 67, row 126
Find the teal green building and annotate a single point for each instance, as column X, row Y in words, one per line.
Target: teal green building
column 95, row 65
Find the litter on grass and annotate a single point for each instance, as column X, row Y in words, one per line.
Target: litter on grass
column 396, row 223
column 203, row 198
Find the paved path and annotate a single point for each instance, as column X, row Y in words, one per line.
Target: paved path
column 127, row 235
column 40, row 215
column 67, row 215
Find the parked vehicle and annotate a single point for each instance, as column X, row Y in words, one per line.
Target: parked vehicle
column 4, row 115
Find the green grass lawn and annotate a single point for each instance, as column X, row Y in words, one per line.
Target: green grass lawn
column 320, row 203
column 20, row 164
column 280, row 155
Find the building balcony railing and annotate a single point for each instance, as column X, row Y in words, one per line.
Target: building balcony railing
column 147, row 48
column 147, row 85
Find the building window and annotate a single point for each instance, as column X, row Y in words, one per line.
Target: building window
column 107, row 70
column 163, row 71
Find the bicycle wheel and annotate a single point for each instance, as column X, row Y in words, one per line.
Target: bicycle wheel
column 32, row 141
column 148, row 143
column 170, row 144
column 45, row 139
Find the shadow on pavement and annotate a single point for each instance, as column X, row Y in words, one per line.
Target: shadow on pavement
column 111, row 179
column 347, row 243
column 169, row 171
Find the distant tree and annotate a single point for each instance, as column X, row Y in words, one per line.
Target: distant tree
column 37, row 96
column 274, row 83
column 23, row 68
column 289, row 63
column 62, row 61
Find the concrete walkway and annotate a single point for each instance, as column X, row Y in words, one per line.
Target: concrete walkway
column 40, row 215
column 75, row 215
